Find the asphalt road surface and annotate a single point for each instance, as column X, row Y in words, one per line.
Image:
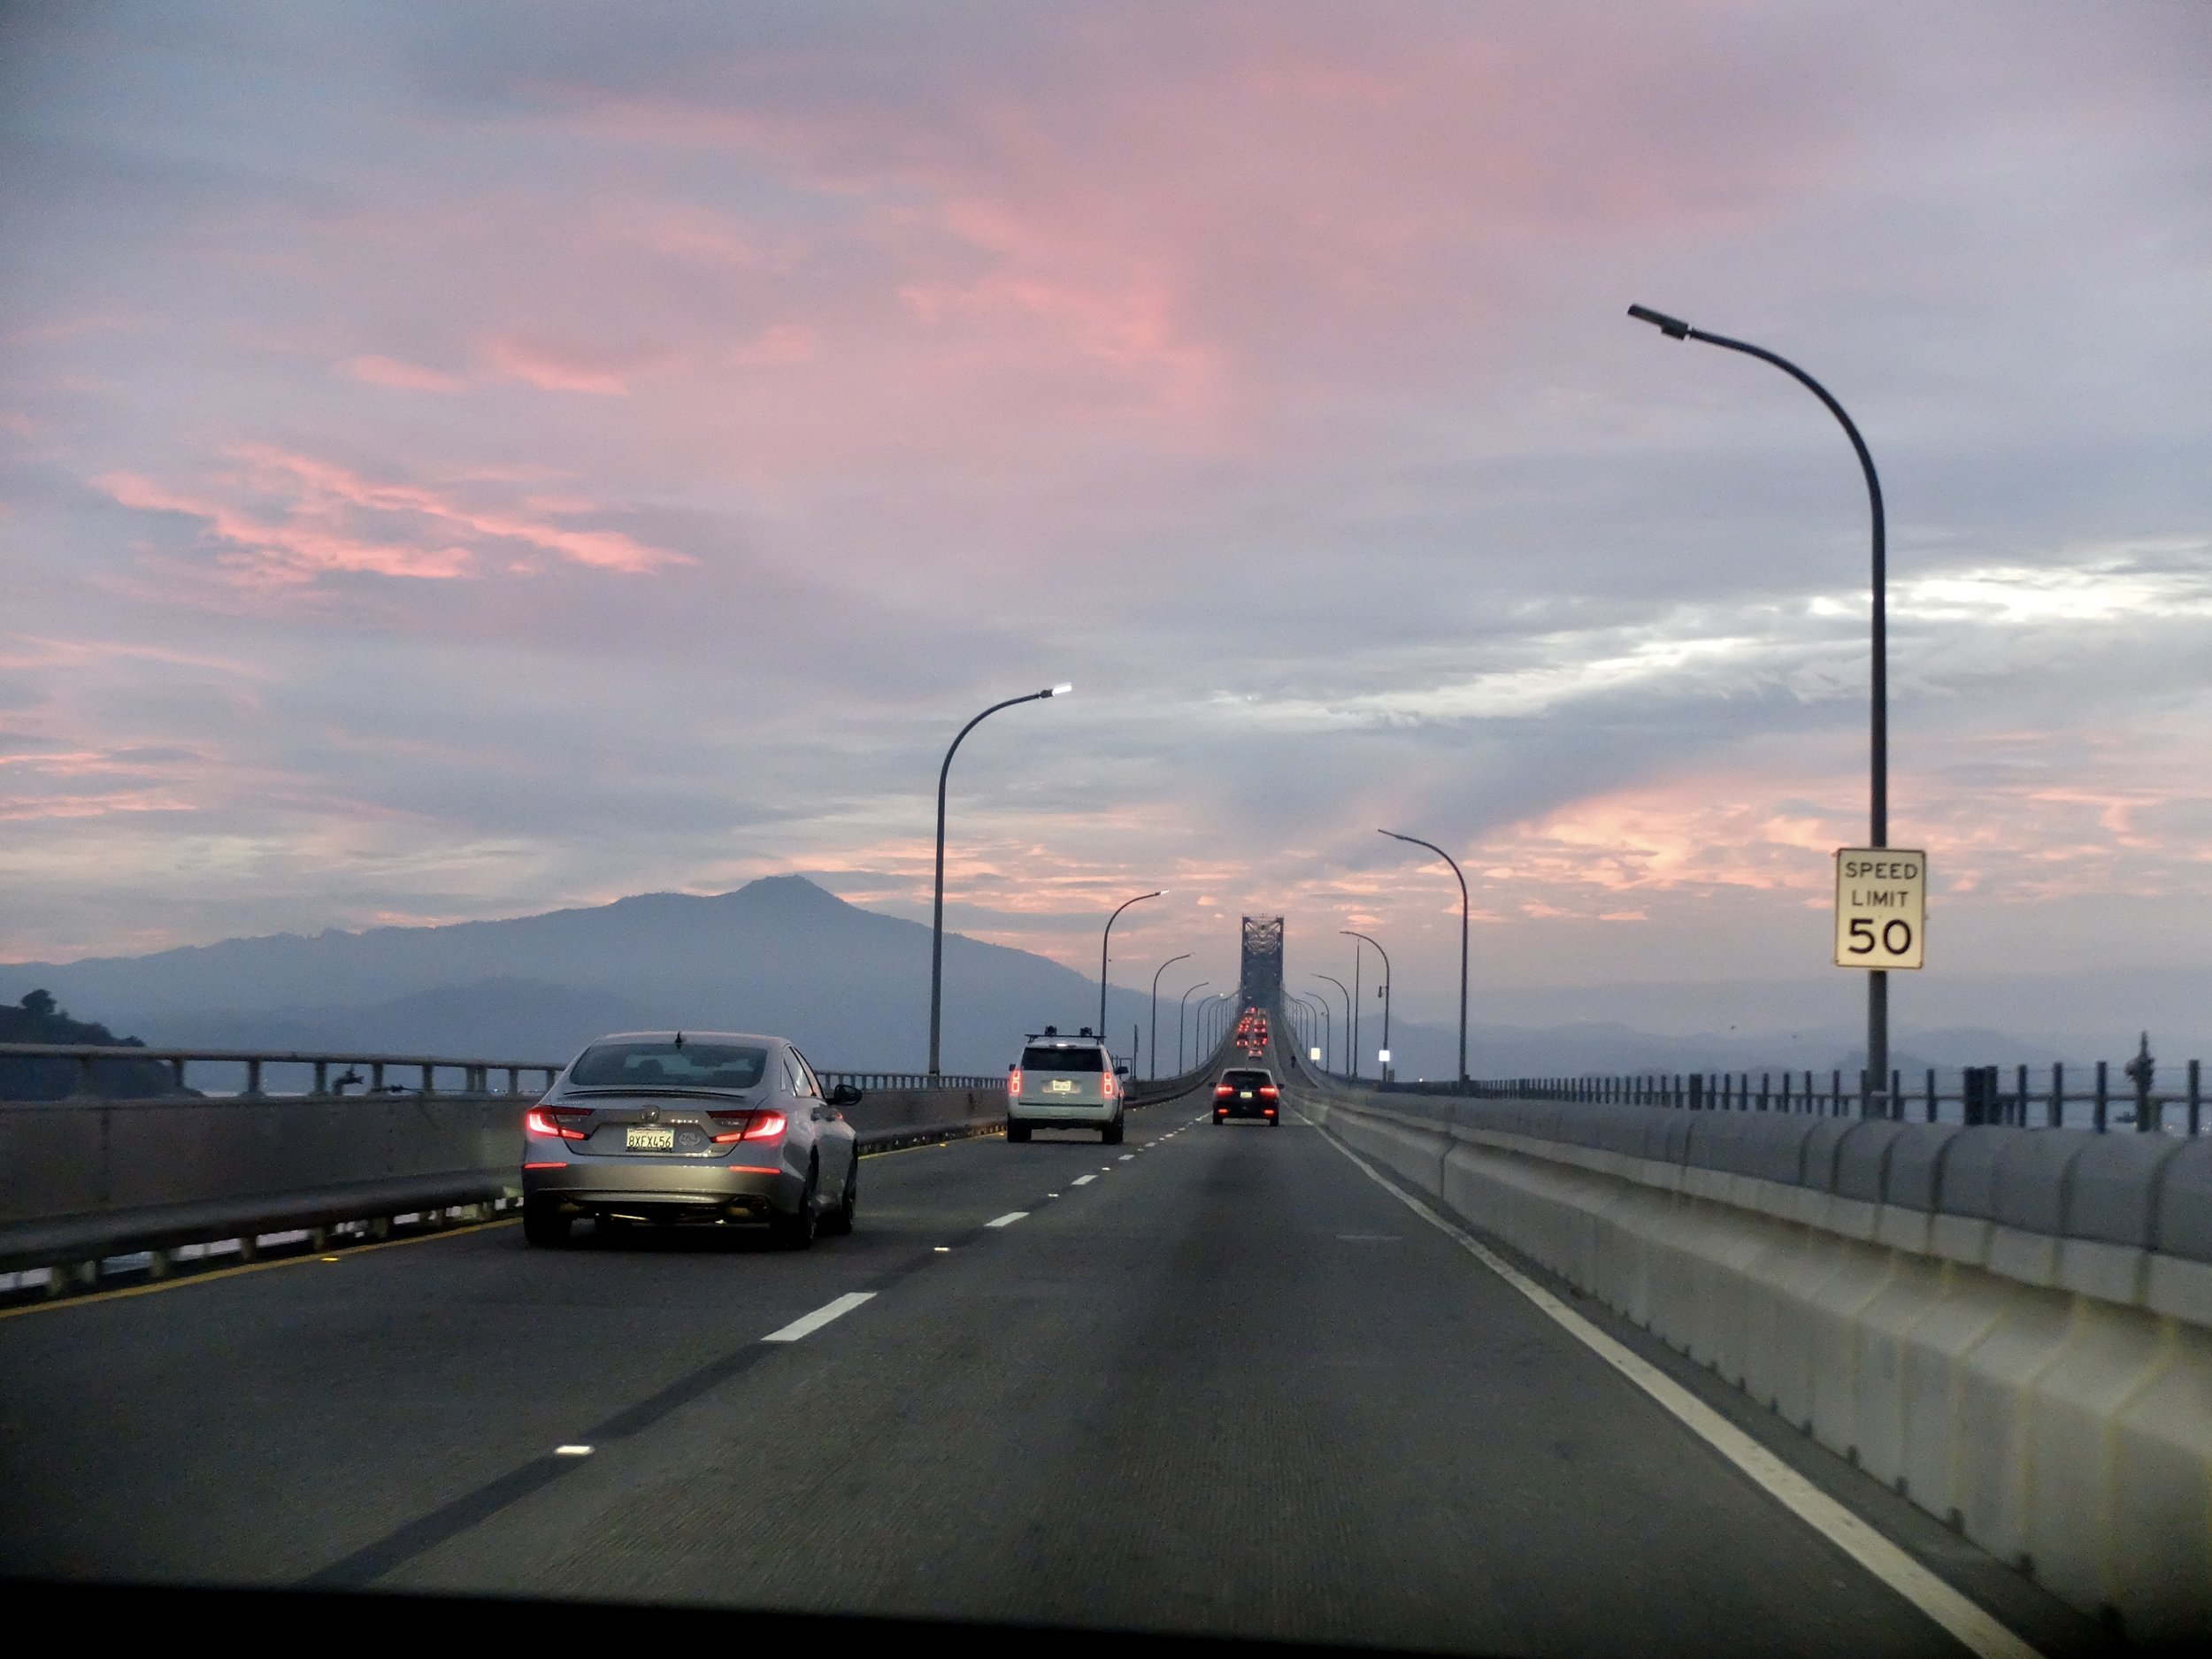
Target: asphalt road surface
column 1215, row 1380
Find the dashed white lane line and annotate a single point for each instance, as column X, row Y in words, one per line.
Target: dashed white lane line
column 572, row 1451
column 1083, row 1180
column 820, row 1316
column 1008, row 1219
column 1972, row 1628
column 1125, row 1157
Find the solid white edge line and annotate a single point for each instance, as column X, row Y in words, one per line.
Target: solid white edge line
column 820, row 1316
column 1008, row 1219
column 1967, row 1623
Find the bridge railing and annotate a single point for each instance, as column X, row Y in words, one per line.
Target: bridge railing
column 331, row 1073
column 93, row 1061
column 2039, row 1097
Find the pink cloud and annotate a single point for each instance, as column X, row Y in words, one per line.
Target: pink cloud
column 410, row 377
column 563, row 368
column 309, row 517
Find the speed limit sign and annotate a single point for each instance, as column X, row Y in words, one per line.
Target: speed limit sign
column 1881, row 907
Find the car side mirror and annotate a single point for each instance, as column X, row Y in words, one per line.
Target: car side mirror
column 1121, row 1070
column 844, row 1095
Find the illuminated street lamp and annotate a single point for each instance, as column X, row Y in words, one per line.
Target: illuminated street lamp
column 1878, row 1104
column 937, row 913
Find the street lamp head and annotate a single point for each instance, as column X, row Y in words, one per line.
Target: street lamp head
column 1673, row 327
column 1058, row 691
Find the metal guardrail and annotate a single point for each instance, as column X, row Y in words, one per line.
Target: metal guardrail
column 2038, row 1098
column 476, row 1074
column 89, row 1057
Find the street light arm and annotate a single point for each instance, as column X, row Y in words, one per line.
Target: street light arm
column 1675, row 329
column 1465, row 909
column 937, row 908
column 1877, row 793
column 1105, row 941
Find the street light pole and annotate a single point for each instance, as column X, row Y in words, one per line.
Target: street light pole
column 1387, row 977
column 1180, row 1007
column 1877, row 1101
column 1313, row 1007
column 1106, row 939
column 1348, row 1007
column 1462, row 878
column 1153, row 1072
column 937, row 912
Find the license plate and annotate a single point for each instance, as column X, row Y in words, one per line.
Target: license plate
column 650, row 1139
column 1247, row 1095
column 1061, row 1086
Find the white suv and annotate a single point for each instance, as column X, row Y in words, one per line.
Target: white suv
column 1064, row 1083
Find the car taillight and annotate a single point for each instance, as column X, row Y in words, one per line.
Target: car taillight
column 1106, row 1086
column 748, row 1126
column 767, row 1127
column 1222, row 1091
column 542, row 1122
column 1014, row 1083
column 1268, row 1091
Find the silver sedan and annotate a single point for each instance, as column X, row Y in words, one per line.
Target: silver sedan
column 708, row 1128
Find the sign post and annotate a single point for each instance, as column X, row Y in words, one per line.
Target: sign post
column 1881, row 910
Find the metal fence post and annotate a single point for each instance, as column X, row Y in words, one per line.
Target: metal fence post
column 2019, row 1112
column 2056, row 1116
column 2196, row 1094
column 253, row 1080
column 2141, row 1071
column 322, row 1078
column 2104, row 1095
column 1931, row 1094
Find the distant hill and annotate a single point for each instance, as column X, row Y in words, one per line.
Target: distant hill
column 780, row 955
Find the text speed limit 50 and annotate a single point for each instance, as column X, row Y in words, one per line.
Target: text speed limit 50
column 1881, row 907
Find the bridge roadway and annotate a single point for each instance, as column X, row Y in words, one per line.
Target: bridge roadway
column 1216, row 1381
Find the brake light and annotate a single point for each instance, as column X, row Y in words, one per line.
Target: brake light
column 1222, row 1091
column 1014, row 1083
column 543, row 1121
column 767, row 1127
column 1268, row 1091
column 1106, row 1086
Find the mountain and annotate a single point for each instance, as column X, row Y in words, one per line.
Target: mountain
column 780, row 955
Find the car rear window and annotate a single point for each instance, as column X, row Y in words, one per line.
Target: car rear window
column 1038, row 1058
column 1246, row 1080
column 663, row 1063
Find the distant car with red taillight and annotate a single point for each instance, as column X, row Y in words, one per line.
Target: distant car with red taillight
column 1248, row 1091
column 699, row 1128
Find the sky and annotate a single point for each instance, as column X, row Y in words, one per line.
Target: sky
column 459, row 462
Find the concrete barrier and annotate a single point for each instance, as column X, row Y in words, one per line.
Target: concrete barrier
column 2011, row 1327
column 84, row 1180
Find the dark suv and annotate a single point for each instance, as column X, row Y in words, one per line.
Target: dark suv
column 1248, row 1091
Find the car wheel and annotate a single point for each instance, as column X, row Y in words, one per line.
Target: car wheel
column 1017, row 1132
column 544, row 1226
column 839, row 1220
column 795, row 1232
column 1110, row 1135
